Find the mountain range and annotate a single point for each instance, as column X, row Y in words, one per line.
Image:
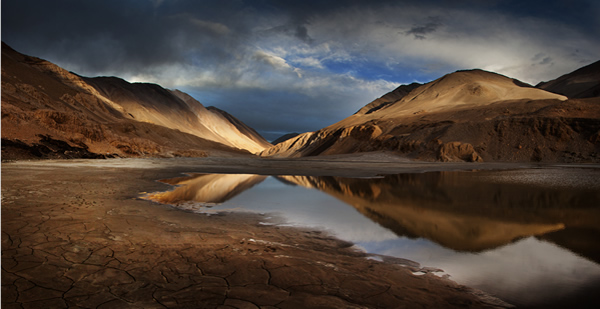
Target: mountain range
column 49, row 112
column 472, row 115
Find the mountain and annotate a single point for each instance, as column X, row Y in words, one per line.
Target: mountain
column 177, row 110
column 388, row 98
column 582, row 83
column 284, row 138
column 50, row 112
column 471, row 115
column 260, row 143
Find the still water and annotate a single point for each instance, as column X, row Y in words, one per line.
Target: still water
column 530, row 237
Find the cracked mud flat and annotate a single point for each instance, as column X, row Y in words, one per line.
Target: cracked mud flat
column 78, row 236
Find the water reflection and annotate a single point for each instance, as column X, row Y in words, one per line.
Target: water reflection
column 431, row 207
column 206, row 188
column 463, row 211
column 530, row 237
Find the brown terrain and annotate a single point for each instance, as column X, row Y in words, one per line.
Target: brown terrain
column 48, row 112
column 470, row 116
column 78, row 234
column 75, row 234
column 439, row 206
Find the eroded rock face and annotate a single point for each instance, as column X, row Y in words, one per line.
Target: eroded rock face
column 457, row 151
column 362, row 132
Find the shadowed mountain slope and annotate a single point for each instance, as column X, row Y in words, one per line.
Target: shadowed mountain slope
column 388, row 98
column 48, row 112
column 464, row 116
column 284, row 138
column 582, row 83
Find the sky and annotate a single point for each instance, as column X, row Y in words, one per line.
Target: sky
column 298, row 66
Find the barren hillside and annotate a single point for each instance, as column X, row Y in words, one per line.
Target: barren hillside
column 467, row 115
column 582, row 83
column 48, row 112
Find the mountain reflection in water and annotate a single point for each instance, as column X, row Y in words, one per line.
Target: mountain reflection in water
column 530, row 237
column 206, row 188
column 462, row 211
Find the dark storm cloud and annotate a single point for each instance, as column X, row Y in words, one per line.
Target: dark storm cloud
column 119, row 35
column 302, row 34
column 295, row 30
column 419, row 31
column 97, row 36
column 541, row 59
column 546, row 60
column 283, row 65
column 134, row 32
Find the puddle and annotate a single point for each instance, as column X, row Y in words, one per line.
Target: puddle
column 530, row 237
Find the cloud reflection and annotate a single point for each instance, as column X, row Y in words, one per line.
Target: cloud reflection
column 458, row 210
column 516, row 234
column 443, row 207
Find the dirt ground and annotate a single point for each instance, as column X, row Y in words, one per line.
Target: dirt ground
column 76, row 234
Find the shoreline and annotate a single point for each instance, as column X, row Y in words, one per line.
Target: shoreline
column 77, row 233
column 362, row 165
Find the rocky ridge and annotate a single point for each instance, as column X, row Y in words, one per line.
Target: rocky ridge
column 467, row 116
column 47, row 112
column 581, row 83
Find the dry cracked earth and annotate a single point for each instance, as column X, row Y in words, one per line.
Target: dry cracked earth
column 80, row 237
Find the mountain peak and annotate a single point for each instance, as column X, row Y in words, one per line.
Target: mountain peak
column 388, row 98
column 477, row 75
column 108, row 115
column 464, row 115
column 465, row 88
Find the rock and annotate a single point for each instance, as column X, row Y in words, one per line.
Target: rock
column 362, row 132
column 457, row 151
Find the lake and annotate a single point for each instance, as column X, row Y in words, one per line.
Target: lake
column 530, row 237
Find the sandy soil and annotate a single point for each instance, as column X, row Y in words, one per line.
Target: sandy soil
column 76, row 234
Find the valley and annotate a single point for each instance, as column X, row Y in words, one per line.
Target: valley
column 130, row 195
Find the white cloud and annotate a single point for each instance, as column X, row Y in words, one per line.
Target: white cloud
column 276, row 62
column 308, row 62
column 460, row 39
column 457, row 40
column 426, row 42
column 446, row 39
column 323, row 57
